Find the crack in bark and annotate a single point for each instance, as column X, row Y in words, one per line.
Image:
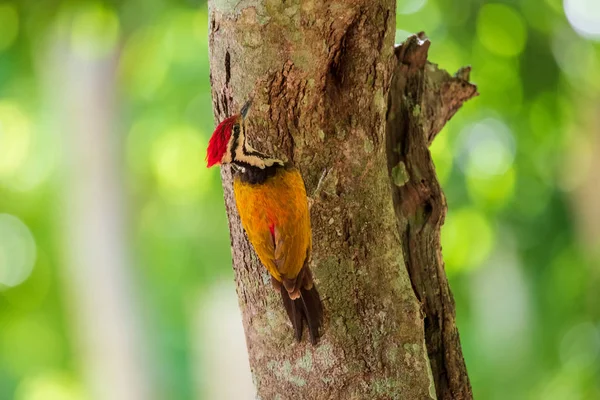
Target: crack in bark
column 284, row 91
column 339, row 31
column 227, row 68
column 422, row 99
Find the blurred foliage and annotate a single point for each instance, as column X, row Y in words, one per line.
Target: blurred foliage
column 524, row 279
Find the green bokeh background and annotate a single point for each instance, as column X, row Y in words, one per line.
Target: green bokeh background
column 518, row 164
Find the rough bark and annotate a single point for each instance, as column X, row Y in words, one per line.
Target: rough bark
column 422, row 99
column 320, row 75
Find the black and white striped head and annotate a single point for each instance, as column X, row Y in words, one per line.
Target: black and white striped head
column 228, row 145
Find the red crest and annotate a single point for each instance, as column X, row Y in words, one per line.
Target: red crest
column 217, row 146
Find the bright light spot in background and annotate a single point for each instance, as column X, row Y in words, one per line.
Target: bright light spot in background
column 579, row 351
column 410, row 6
column 30, row 344
column 581, row 345
column 584, row 17
column 33, row 293
column 501, row 310
column 578, row 59
column 145, row 47
column 178, row 38
column 94, row 31
column 568, row 383
column 488, row 148
column 218, row 322
column 178, row 163
column 9, row 21
column 53, row 385
column 182, row 37
column 27, row 155
column 17, row 251
column 15, row 138
column 501, row 30
column 467, row 240
column 493, row 191
column 486, row 156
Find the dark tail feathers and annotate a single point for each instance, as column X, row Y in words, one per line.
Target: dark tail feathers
column 307, row 308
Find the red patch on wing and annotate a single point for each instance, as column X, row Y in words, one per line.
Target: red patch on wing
column 272, row 229
column 217, row 146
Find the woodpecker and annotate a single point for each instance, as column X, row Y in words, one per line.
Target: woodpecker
column 271, row 200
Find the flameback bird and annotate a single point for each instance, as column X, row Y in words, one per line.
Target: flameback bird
column 271, row 200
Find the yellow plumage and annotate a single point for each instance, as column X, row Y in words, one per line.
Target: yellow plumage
column 275, row 217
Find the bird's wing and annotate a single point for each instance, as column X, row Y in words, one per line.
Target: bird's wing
column 292, row 233
column 276, row 220
column 250, row 201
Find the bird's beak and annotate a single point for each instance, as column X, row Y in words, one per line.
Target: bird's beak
column 246, row 108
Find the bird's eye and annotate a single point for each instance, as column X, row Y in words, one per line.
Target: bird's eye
column 236, row 129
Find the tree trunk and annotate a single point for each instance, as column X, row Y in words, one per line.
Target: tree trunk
column 320, row 73
column 422, row 100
